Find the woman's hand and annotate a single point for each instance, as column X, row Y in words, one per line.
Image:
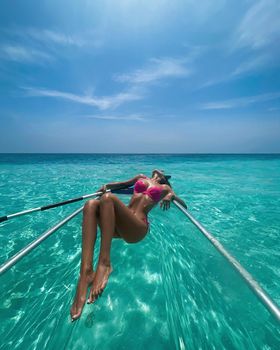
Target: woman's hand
column 165, row 203
column 102, row 189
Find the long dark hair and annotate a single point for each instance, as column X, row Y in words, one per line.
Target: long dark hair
column 164, row 177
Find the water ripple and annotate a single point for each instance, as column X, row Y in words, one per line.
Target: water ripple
column 170, row 291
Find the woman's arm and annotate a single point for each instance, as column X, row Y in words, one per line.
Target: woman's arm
column 179, row 200
column 122, row 184
column 165, row 203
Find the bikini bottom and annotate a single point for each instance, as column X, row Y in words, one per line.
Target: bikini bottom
column 147, row 223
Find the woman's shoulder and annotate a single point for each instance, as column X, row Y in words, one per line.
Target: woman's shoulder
column 166, row 187
column 142, row 176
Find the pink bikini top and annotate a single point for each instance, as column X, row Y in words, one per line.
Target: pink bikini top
column 154, row 192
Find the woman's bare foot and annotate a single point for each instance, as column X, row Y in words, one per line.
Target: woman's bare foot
column 100, row 281
column 81, row 294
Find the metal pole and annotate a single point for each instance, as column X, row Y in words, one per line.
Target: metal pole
column 14, row 259
column 68, row 201
column 271, row 306
column 46, row 207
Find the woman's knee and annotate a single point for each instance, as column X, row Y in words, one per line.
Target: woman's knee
column 91, row 206
column 107, row 197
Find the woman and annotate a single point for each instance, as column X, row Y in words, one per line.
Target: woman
column 116, row 220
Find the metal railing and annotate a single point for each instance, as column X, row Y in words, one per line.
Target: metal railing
column 14, row 259
column 248, row 278
column 250, row 281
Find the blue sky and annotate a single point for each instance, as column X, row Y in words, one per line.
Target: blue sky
column 140, row 76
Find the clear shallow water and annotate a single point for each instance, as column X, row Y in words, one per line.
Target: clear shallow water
column 172, row 290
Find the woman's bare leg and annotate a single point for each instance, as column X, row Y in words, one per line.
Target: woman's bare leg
column 89, row 231
column 113, row 214
column 107, row 224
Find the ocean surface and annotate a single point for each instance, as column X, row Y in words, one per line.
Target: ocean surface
column 170, row 291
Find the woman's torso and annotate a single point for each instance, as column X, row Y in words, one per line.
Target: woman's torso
column 146, row 195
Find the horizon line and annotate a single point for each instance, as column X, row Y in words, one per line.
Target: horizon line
column 150, row 153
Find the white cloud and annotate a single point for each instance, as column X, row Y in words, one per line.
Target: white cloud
column 240, row 102
column 50, row 36
column 37, row 36
column 156, row 70
column 36, row 45
column 159, row 69
column 132, row 117
column 251, row 65
column 259, row 33
column 274, row 109
column 247, row 67
column 42, row 45
column 23, row 54
column 102, row 103
column 260, row 25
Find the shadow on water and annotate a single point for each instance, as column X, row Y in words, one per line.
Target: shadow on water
column 90, row 320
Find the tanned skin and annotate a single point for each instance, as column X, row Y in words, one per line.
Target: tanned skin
column 116, row 220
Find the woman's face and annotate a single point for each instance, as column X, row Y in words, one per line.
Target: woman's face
column 157, row 177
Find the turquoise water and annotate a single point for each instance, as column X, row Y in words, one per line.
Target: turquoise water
column 170, row 291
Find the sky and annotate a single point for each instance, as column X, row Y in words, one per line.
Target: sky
column 131, row 76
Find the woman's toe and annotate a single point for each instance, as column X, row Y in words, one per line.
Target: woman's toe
column 90, row 297
column 76, row 315
column 73, row 311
